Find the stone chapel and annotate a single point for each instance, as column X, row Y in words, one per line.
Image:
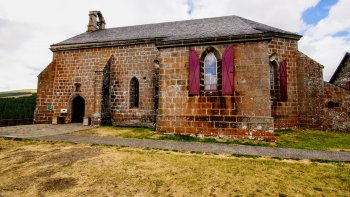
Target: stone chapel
column 210, row 77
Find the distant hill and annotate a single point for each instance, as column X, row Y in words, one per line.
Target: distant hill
column 16, row 105
column 17, row 93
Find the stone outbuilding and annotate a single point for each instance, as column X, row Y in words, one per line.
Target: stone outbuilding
column 215, row 76
column 341, row 76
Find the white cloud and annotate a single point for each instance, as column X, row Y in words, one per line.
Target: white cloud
column 28, row 28
column 32, row 26
column 282, row 14
column 321, row 42
column 9, row 30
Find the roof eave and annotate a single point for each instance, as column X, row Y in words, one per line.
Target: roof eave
column 163, row 43
column 224, row 39
column 89, row 45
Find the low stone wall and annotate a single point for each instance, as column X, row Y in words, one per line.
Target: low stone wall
column 336, row 108
column 14, row 122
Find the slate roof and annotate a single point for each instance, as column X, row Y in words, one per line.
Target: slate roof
column 340, row 66
column 179, row 30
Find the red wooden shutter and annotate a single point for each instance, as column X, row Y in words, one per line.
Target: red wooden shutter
column 283, row 81
column 194, row 78
column 347, row 85
column 227, row 71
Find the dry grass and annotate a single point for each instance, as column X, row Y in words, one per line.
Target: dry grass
column 33, row 168
column 122, row 132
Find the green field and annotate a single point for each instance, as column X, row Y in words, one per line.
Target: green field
column 17, row 93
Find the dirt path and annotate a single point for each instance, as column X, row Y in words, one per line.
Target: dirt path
column 205, row 147
column 37, row 130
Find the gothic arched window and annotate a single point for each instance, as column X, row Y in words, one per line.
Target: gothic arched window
column 134, row 93
column 274, row 81
column 210, row 72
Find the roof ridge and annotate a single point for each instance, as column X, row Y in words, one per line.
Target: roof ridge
column 221, row 26
column 262, row 24
column 169, row 22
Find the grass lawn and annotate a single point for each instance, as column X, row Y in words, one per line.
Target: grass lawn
column 298, row 138
column 37, row 168
column 313, row 139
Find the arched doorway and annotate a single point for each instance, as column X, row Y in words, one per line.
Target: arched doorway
column 78, row 109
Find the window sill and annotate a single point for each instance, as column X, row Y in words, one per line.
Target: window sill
column 210, row 93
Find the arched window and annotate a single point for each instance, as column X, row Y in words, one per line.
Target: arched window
column 272, row 76
column 134, row 93
column 210, row 72
column 274, row 81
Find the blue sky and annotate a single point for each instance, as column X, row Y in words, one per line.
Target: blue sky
column 28, row 30
column 190, row 7
column 314, row 14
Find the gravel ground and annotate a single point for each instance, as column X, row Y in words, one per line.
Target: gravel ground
column 205, row 147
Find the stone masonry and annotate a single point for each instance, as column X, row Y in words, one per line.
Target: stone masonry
column 342, row 74
column 246, row 113
column 139, row 76
column 85, row 67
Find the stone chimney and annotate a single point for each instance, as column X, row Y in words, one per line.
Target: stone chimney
column 96, row 21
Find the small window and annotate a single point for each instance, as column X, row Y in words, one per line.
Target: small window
column 210, row 72
column 134, row 93
column 332, row 104
column 77, row 87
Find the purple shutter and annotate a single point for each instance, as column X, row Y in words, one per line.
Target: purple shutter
column 194, row 77
column 347, row 85
column 227, row 71
column 283, row 81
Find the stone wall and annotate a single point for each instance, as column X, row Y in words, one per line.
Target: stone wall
column 245, row 114
column 133, row 61
column 321, row 105
column 336, row 108
column 250, row 112
column 285, row 114
column 310, row 91
column 42, row 114
column 56, row 84
column 343, row 75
